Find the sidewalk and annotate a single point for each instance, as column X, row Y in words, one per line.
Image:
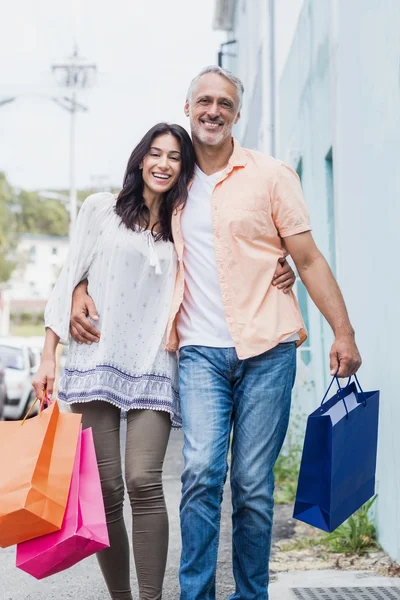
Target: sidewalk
column 281, row 589
column 85, row 582
column 282, row 584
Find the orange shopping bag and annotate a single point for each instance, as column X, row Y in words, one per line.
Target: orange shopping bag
column 36, row 461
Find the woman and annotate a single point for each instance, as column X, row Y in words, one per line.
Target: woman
column 124, row 249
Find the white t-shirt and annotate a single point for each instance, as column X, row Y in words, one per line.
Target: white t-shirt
column 201, row 319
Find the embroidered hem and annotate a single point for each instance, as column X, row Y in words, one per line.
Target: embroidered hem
column 150, row 391
column 176, row 420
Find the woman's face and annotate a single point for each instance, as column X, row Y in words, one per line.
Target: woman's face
column 162, row 165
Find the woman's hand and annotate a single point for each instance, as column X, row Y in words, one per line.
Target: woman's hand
column 284, row 277
column 44, row 378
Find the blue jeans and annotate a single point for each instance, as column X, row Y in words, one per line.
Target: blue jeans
column 220, row 392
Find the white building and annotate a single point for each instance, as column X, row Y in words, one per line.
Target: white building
column 249, row 54
column 4, row 309
column 40, row 258
column 339, row 107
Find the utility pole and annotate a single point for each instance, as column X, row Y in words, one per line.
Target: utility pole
column 75, row 74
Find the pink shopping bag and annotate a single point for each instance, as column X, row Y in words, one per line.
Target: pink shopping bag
column 84, row 529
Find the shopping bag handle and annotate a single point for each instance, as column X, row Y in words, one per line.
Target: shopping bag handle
column 359, row 387
column 43, row 400
column 340, row 391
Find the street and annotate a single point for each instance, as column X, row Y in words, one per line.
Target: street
column 84, row 581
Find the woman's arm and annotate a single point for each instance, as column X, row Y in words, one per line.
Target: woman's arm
column 81, row 253
column 44, row 378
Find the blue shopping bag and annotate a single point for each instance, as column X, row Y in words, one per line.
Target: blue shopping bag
column 337, row 471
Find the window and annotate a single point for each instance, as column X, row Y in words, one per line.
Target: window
column 12, row 358
column 302, row 297
column 330, row 204
column 32, row 358
column 32, row 254
column 299, row 169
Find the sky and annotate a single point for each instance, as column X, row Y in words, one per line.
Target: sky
column 146, row 55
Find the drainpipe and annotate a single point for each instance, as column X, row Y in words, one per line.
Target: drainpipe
column 272, row 77
column 222, row 52
column 268, row 116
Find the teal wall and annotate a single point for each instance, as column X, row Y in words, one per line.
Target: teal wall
column 339, row 100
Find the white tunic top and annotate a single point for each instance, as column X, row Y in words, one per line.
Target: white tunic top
column 131, row 279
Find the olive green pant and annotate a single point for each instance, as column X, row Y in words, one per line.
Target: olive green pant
column 146, row 443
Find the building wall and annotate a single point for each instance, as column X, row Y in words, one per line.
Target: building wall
column 340, row 120
column 339, row 126
column 250, row 29
column 306, row 143
column 41, row 258
column 367, row 139
column 4, row 310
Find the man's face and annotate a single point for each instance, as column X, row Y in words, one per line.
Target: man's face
column 213, row 109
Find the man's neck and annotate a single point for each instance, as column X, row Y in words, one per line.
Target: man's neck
column 211, row 159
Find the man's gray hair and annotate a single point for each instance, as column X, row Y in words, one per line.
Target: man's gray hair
column 224, row 73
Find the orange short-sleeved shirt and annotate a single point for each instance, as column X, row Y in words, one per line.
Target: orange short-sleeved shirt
column 256, row 204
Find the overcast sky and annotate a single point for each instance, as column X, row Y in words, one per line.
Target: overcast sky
column 146, row 54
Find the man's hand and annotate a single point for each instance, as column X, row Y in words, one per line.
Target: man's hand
column 83, row 306
column 345, row 359
column 284, row 277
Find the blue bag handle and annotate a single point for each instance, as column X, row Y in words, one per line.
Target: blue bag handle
column 340, row 390
column 359, row 387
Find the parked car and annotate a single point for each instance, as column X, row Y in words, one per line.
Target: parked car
column 3, row 390
column 20, row 362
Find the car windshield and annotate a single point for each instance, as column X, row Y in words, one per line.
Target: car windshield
column 12, row 358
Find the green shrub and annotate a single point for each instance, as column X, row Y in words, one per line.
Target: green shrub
column 286, row 471
column 356, row 535
column 24, row 317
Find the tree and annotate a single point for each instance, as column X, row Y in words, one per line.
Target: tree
column 25, row 212
column 44, row 216
column 8, row 237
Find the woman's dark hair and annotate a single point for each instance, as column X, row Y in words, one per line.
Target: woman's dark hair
column 130, row 204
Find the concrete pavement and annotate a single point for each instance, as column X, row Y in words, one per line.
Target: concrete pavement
column 281, row 589
column 84, row 581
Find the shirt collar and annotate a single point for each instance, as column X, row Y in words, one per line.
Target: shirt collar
column 238, row 157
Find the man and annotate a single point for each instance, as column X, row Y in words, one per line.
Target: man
column 237, row 335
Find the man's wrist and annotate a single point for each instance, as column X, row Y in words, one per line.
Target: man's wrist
column 344, row 332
